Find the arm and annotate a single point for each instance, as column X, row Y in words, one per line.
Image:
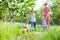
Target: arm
column 49, row 10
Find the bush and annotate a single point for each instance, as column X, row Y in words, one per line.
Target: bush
column 53, row 34
column 9, row 30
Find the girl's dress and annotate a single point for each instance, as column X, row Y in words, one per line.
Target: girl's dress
column 44, row 24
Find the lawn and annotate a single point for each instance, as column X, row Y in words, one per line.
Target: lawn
column 14, row 31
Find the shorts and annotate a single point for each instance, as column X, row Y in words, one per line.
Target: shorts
column 33, row 24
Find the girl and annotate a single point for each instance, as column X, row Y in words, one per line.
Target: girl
column 44, row 24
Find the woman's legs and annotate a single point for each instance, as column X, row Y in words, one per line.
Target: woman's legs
column 48, row 22
column 48, row 25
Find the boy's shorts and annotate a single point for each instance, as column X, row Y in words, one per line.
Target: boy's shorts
column 33, row 24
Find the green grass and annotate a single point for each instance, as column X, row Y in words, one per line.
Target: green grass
column 14, row 31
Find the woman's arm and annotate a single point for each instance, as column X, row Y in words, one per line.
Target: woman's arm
column 49, row 10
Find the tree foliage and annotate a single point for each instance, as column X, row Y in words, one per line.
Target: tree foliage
column 56, row 11
column 15, row 9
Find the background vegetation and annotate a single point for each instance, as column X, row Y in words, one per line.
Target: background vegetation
column 12, row 10
column 14, row 14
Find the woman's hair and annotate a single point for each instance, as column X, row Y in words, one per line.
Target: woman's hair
column 45, row 4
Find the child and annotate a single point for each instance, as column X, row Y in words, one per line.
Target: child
column 33, row 20
column 44, row 24
column 25, row 29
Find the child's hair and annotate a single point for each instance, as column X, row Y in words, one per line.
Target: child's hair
column 43, row 18
column 25, row 28
column 32, row 11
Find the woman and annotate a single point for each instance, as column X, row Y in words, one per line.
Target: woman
column 46, row 14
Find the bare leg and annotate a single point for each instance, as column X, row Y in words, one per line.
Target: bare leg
column 45, row 28
column 48, row 26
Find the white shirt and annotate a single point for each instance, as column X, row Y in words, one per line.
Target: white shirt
column 33, row 19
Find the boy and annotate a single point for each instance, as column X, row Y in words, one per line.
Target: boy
column 33, row 20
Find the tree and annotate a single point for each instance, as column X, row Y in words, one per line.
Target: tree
column 56, row 11
column 14, row 9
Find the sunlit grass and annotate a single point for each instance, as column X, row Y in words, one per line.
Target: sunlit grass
column 14, row 31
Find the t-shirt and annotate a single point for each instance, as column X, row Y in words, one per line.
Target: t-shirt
column 33, row 19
